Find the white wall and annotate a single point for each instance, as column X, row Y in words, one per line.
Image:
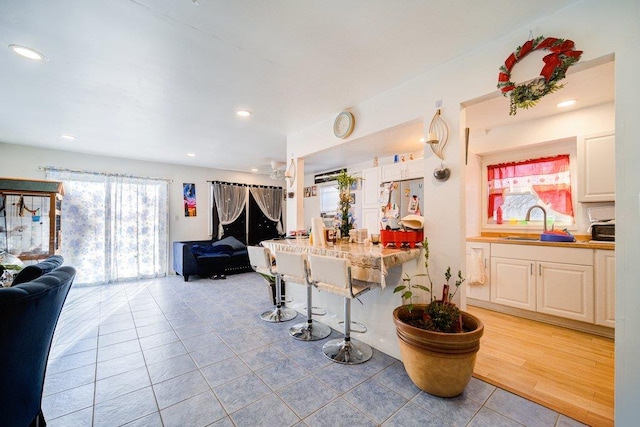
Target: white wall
column 19, row 161
column 598, row 28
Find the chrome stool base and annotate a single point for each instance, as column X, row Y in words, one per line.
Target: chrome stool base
column 359, row 327
column 317, row 311
column 279, row 314
column 347, row 352
column 310, row 332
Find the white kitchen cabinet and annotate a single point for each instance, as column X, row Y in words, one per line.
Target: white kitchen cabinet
column 531, row 278
column 596, row 168
column 512, row 283
column 371, row 220
column 605, row 273
column 565, row 290
column 479, row 291
column 371, row 188
column 403, row 170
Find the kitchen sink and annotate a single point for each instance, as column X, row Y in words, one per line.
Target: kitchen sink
column 522, row 239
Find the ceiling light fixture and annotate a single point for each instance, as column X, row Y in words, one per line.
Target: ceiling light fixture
column 243, row 113
column 276, row 170
column 27, row 52
column 567, row 103
column 191, row 154
column 68, row 137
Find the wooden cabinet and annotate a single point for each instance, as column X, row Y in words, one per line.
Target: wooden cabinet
column 478, row 252
column 531, row 278
column 30, row 217
column 403, row 170
column 596, row 168
column 605, row 273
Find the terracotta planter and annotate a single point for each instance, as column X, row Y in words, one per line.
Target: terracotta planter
column 438, row 363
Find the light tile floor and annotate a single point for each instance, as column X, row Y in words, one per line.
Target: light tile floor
column 164, row 352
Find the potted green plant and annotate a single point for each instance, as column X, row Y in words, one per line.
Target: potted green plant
column 438, row 341
column 346, row 218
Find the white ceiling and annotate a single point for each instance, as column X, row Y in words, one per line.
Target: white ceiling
column 157, row 79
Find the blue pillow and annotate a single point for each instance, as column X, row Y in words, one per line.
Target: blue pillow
column 236, row 244
column 199, row 250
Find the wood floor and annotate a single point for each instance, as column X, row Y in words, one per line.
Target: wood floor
column 568, row 371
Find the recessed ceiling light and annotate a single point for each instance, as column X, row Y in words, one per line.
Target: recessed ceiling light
column 243, row 113
column 68, row 136
column 28, row 52
column 191, row 154
column 567, row 103
column 254, row 169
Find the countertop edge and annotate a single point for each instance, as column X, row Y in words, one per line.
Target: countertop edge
column 580, row 244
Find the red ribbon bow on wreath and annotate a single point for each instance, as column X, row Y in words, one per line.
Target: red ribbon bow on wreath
column 556, row 63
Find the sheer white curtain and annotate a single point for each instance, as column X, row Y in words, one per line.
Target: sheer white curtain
column 113, row 227
column 270, row 202
column 230, row 201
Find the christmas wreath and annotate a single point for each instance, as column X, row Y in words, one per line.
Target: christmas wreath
column 556, row 63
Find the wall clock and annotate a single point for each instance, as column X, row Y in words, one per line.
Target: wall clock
column 343, row 125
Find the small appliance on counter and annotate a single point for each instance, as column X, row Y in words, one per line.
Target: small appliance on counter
column 603, row 224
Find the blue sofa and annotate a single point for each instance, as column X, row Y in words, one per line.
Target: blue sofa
column 210, row 258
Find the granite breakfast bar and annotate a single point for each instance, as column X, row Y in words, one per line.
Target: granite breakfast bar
column 382, row 267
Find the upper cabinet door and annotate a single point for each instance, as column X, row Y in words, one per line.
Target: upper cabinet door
column 403, row 170
column 371, row 188
column 596, row 168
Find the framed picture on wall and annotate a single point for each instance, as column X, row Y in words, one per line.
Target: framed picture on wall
column 314, row 190
column 189, row 196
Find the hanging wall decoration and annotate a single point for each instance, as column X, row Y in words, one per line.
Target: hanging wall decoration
column 189, row 195
column 556, row 63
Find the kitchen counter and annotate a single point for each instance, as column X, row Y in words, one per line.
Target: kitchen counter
column 368, row 263
column 383, row 267
column 581, row 242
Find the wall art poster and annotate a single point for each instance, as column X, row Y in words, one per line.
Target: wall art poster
column 189, row 194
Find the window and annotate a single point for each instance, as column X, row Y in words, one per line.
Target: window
column 114, row 227
column 513, row 187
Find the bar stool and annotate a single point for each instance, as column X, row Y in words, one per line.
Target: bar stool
column 334, row 275
column 260, row 260
column 293, row 268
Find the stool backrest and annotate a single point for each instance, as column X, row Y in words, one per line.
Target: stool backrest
column 292, row 266
column 260, row 259
column 330, row 270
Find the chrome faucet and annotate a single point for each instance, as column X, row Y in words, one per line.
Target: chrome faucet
column 544, row 213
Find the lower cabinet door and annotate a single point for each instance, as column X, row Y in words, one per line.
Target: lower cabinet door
column 371, row 220
column 605, row 288
column 475, row 289
column 565, row 290
column 513, row 283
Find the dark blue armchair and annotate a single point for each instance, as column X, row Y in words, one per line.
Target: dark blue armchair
column 34, row 271
column 28, row 316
